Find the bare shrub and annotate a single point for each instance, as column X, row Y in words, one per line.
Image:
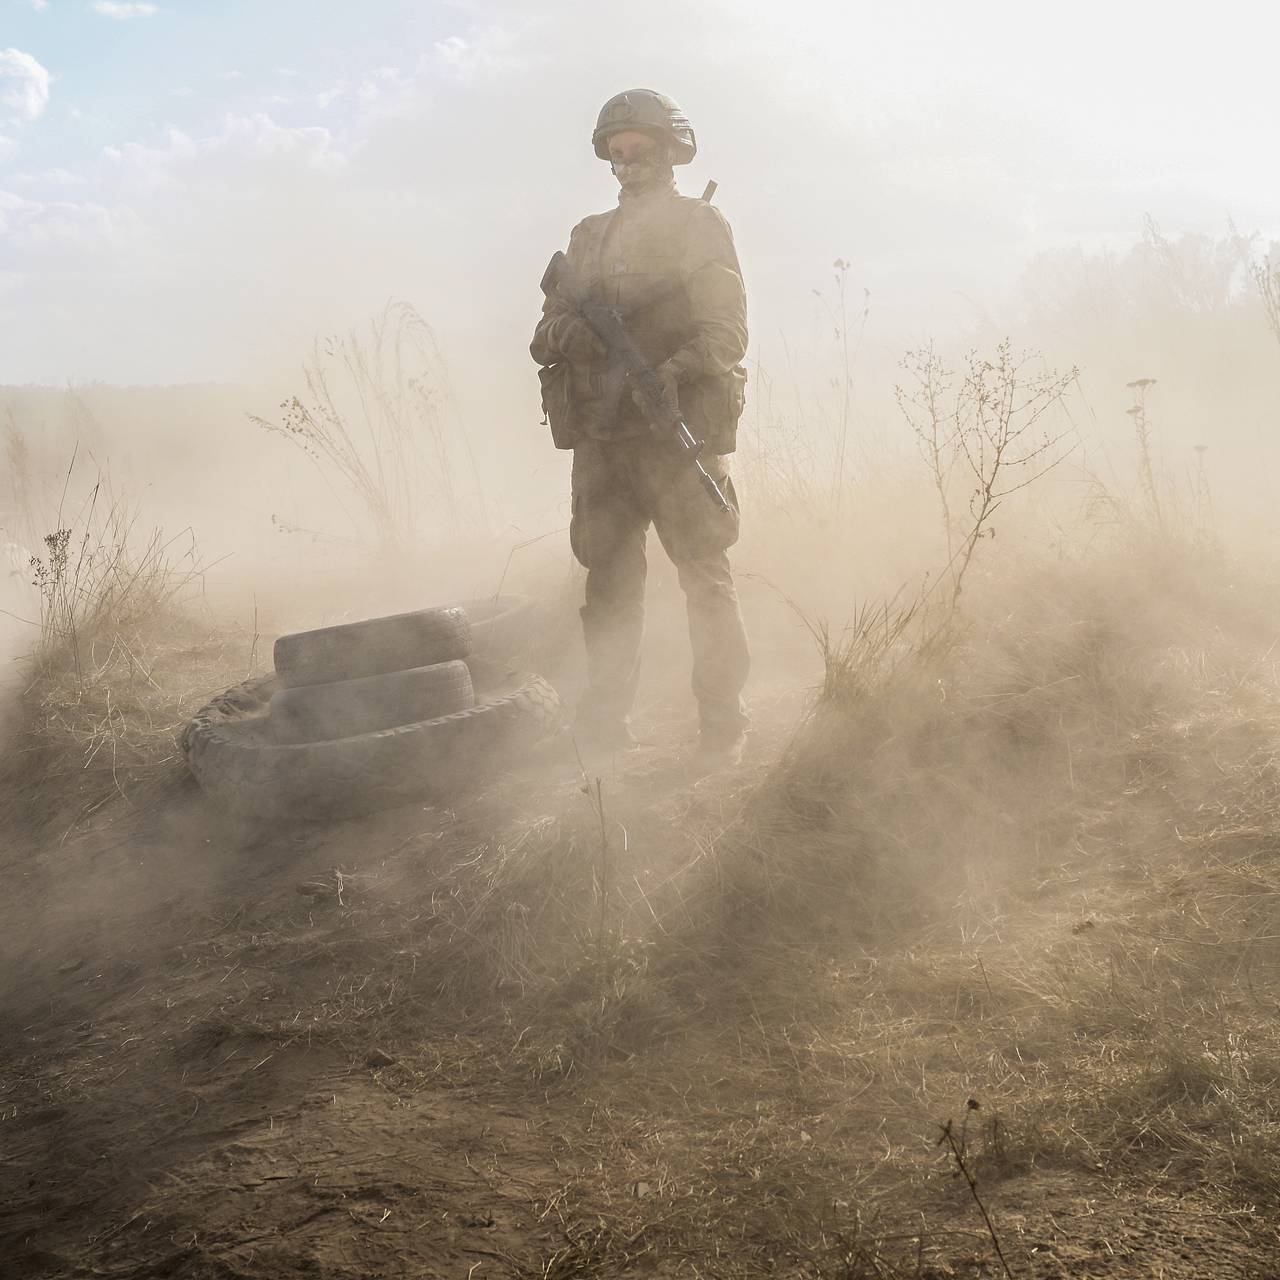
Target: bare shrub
column 986, row 425
column 375, row 419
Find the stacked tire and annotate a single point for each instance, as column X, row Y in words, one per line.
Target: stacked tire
column 373, row 714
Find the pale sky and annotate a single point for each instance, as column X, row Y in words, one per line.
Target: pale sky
column 189, row 191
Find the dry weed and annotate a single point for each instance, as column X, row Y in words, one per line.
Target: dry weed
column 119, row 662
column 376, row 415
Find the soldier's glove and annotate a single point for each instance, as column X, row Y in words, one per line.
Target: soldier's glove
column 670, row 390
column 575, row 339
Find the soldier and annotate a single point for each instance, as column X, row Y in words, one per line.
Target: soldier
column 667, row 264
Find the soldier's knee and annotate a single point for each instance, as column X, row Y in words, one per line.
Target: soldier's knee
column 694, row 530
column 708, row 578
column 602, row 537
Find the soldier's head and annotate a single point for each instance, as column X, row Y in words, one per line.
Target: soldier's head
column 643, row 133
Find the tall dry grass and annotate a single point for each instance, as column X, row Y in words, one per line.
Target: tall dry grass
column 119, row 658
column 378, row 420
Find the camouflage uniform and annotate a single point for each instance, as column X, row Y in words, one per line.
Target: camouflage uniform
column 668, row 264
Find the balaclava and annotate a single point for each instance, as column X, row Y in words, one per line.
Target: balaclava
column 647, row 173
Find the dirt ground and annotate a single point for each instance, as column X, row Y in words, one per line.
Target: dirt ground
column 237, row 1062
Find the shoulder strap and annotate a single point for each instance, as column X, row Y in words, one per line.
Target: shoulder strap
column 597, row 249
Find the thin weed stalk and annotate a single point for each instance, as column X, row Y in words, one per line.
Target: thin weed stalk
column 1146, row 464
column 1266, row 279
column 956, row 1148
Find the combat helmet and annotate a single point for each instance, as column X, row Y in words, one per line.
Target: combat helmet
column 647, row 111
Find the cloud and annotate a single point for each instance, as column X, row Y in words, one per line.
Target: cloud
column 479, row 53
column 386, row 88
column 260, row 133
column 7, row 147
column 256, row 135
column 31, row 225
column 48, row 178
column 39, row 5
column 121, row 10
column 381, row 92
column 24, row 84
column 329, row 96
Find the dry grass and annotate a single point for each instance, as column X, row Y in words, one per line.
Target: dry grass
column 377, row 421
column 1016, row 874
column 120, row 661
column 1035, row 874
column 77, row 745
column 1031, row 868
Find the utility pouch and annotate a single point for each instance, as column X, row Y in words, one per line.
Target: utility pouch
column 712, row 407
column 557, row 404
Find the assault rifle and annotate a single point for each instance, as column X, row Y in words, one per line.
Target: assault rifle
column 625, row 359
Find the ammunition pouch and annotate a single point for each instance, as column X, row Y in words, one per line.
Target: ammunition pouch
column 712, row 406
column 557, row 405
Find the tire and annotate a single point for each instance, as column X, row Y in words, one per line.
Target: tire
column 502, row 627
column 319, row 712
column 246, row 775
column 374, row 647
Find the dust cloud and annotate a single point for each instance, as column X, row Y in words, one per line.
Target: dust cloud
column 1000, row 844
column 895, row 182
column 939, row 154
column 182, row 257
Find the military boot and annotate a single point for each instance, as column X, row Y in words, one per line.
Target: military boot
column 719, row 749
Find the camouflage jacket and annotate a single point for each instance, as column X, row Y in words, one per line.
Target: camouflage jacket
column 668, row 264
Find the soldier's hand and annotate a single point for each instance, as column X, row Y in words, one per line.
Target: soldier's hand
column 577, row 340
column 670, row 391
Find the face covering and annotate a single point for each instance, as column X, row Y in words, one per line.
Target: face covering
column 643, row 172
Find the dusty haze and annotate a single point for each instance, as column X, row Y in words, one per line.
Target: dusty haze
column 187, row 200
column 1002, row 855
column 190, row 196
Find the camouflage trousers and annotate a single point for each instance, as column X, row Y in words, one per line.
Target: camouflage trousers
column 620, row 487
